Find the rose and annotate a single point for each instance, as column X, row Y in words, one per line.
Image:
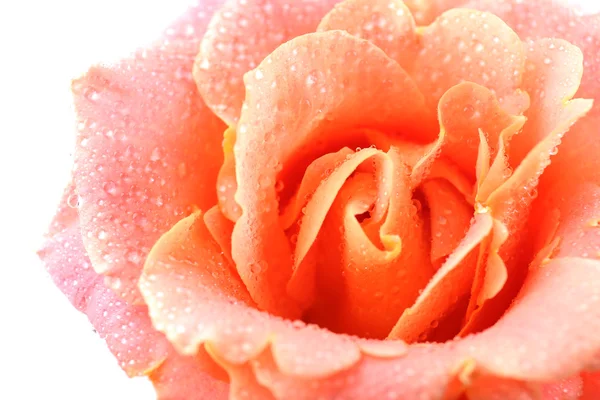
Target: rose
column 378, row 241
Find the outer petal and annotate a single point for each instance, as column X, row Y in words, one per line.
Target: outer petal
column 148, row 150
column 552, row 76
column 534, row 19
column 385, row 23
column 241, row 34
column 467, row 45
column 127, row 330
column 186, row 378
column 291, row 119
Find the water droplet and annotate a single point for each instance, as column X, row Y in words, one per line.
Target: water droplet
column 257, row 267
column 469, row 110
column 312, row 78
column 264, row 181
column 279, row 185
column 73, row 201
column 155, row 156
column 111, row 188
column 442, row 220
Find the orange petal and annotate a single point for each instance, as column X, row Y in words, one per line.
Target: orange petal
column 467, row 45
column 386, row 23
column 323, row 197
column 447, row 170
column 499, row 170
column 364, row 288
column 482, row 166
column 185, row 246
column 318, row 171
column 240, row 36
column 535, row 19
column 450, row 215
column 301, row 115
column 301, row 285
column 527, row 173
column 490, row 276
column 220, row 229
column 464, row 110
column 445, row 289
column 148, row 150
column 226, row 183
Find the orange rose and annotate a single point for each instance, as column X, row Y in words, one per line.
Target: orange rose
column 372, row 200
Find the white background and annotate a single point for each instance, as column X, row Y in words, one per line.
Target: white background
column 47, row 349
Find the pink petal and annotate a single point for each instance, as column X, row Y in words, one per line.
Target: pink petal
column 127, row 329
column 148, row 151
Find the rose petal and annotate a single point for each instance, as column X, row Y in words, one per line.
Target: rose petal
column 220, row 229
column 302, row 282
column 464, row 110
column 386, row 23
column 127, row 329
column 148, row 150
column 193, row 305
column 182, row 377
column 450, row 215
column 321, row 110
column 244, row 383
column 467, row 45
column 452, row 281
column 364, row 288
column 226, row 184
column 318, row 171
column 489, row 278
column 442, row 169
column 241, row 34
column 552, row 76
column 578, row 231
column 507, row 350
column 510, row 204
column 535, row 19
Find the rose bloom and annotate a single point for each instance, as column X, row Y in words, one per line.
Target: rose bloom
column 357, row 199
